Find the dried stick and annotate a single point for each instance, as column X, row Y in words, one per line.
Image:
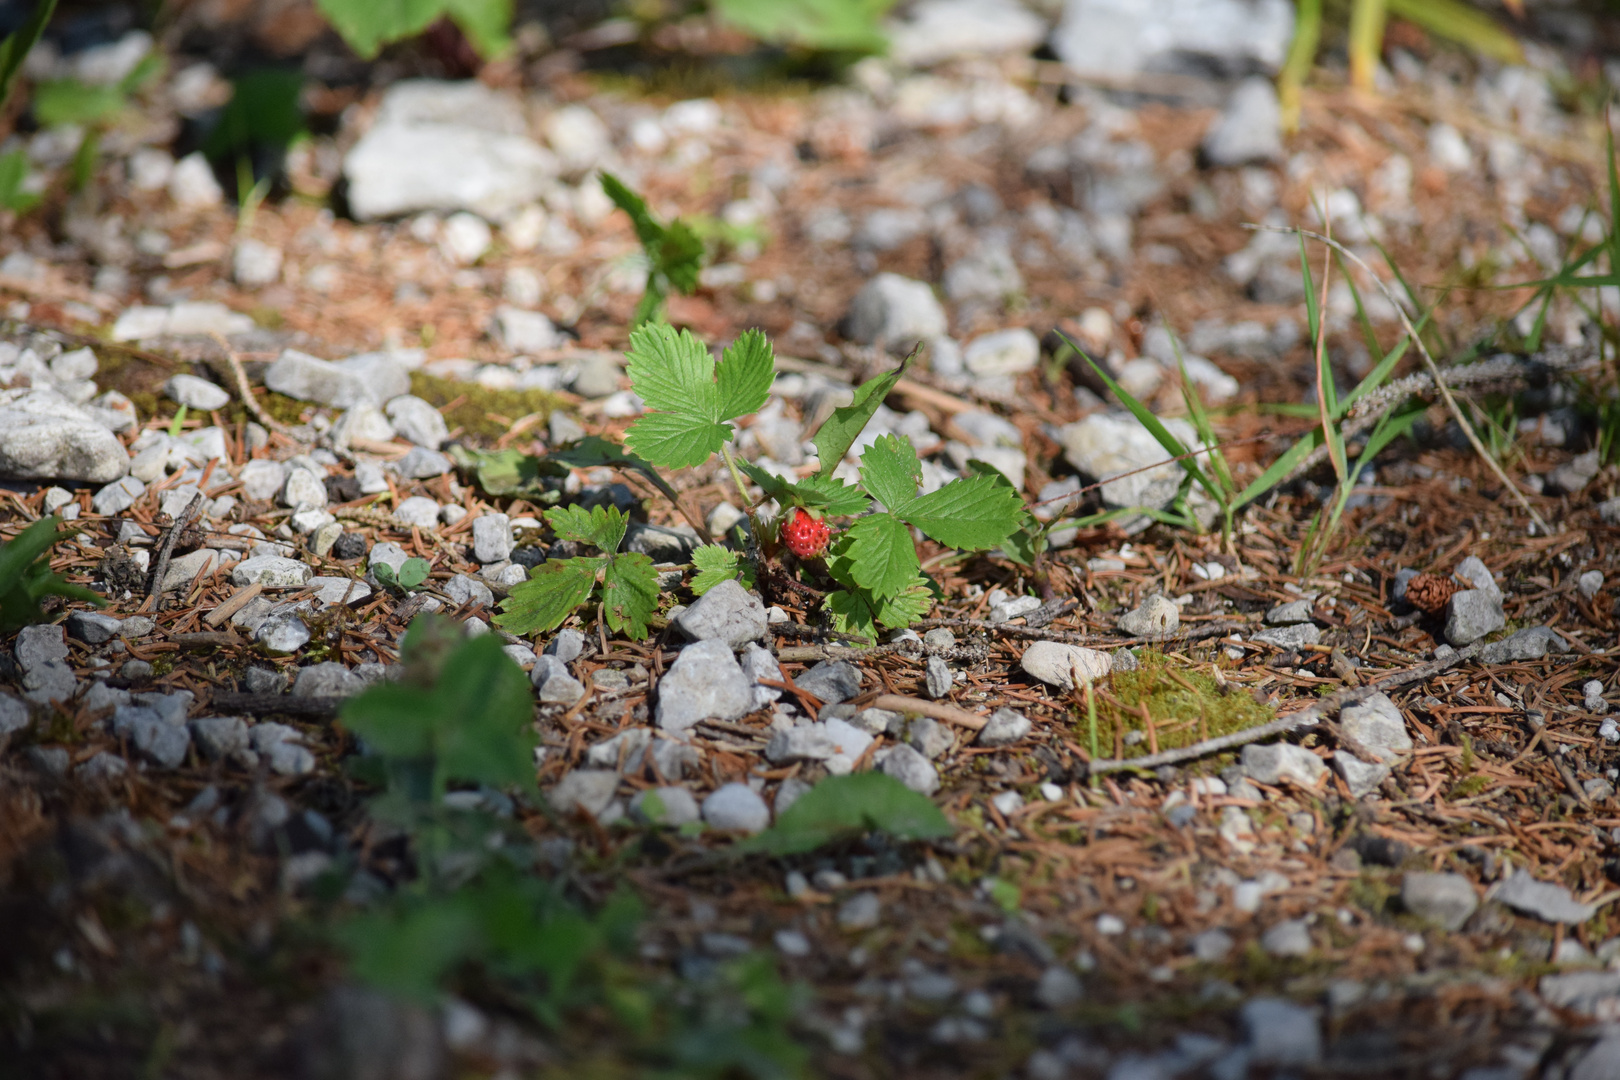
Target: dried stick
column 160, row 565
column 933, row 709
column 1307, row 717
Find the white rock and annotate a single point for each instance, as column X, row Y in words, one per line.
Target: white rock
column 1120, row 39
column 524, row 331
column 896, row 311
column 1056, row 664
column 270, row 570
column 446, row 146
column 418, row 421
column 192, row 185
column 1004, row 352
column 465, row 238
column 936, row 30
column 44, row 436
column 255, row 263
column 196, row 393
column 736, row 807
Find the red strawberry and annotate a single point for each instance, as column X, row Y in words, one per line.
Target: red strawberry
column 804, row 535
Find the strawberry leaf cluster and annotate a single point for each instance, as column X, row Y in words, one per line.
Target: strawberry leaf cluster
column 674, row 251
column 628, row 583
column 692, row 401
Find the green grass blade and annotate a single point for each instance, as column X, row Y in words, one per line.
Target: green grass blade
column 15, row 47
column 1280, row 468
column 1156, row 428
column 1461, row 23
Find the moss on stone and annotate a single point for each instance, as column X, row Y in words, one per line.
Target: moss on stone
column 1186, row 705
column 479, row 410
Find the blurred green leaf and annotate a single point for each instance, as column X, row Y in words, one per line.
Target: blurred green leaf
column 843, row 806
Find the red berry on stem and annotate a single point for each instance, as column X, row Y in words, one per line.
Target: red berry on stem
column 804, row 535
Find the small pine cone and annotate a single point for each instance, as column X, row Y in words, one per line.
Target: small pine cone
column 1430, row 592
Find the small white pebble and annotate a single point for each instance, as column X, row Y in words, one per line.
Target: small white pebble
column 1051, row 792
column 1110, row 925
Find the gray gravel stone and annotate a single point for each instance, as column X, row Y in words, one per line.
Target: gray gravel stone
column 590, row 790
column 92, row 627
column 937, row 30
column 492, row 538
column 219, row 738
column 736, row 807
column 1290, row 637
column 279, row 745
column 1003, row 352
column 303, row 490
column 938, row 677
column 860, row 912
column 309, row 378
column 1212, row 946
column 196, row 393
column 262, row 479
column 1249, row 127
column 1444, row 900
column 909, row 767
column 418, row 510
column 1474, row 571
column 117, row 496
column 704, row 682
column 1531, row 643
column 1374, row 730
column 1058, row 988
column 831, row 680
column 1273, row 762
column 417, row 421
column 1003, row 728
column 1471, row 614
column 553, row 682
column 271, row 570
column 153, row 737
column 805, row 742
column 184, row 569
column 1056, row 664
column 1543, row 900
column 100, row 769
column 758, row 663
column 328, row 679
column 1156, row 616
column 446, row 146
column 44, row 436
column 668, row 806
column 463, row 590
column 1361, row 777
column 567, row 645
column 1115, row 444
column 1590, row 993
column 727, row 613
column 1293, row 613
column 420, row 463
column 1119, row 39
column 13, row 717
column 39, row 644
column 1601, row 1062
column 1281, row 1033
column 282, row 635
column 896, row 311
column 1590, row 583
column 929, row 737
column 172, row 706
column 1291, row 937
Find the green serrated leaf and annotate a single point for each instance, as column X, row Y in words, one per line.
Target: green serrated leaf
column 840, row 806
column 745, row 374
column 367, row 25
column 484, row 22
column 689, row 397
column 648, row 230
column 715, row 564
column 630, row 594
column 26, row 576
column 679, row 257
column 833, row 496
column 473, row 722
column 890, row 471
column 906, row 606
column 845, row 425
column 882, row 556
column 603, row 527
column 555, row 589
column 851, row 613
column 970, row 514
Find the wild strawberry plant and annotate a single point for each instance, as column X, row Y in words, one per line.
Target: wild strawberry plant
column 693, row 402
column 629, row 584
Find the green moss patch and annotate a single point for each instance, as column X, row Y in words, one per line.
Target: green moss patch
column 480, row 408
column 1186, row 705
